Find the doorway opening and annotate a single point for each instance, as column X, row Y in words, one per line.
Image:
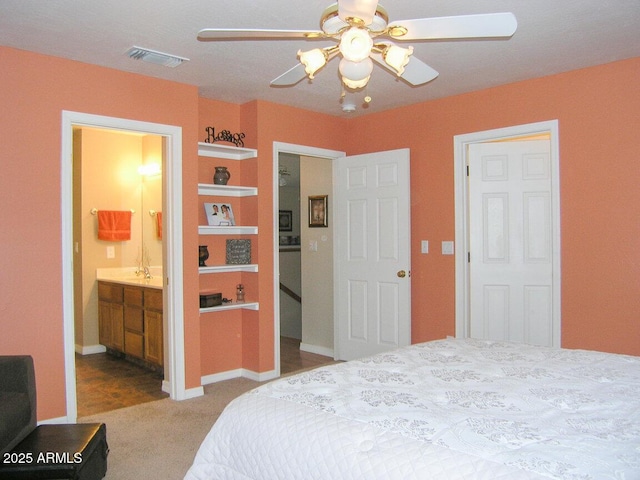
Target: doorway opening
column 172, row 295
column 462, row 143
column 119, row 345
column 310, row 343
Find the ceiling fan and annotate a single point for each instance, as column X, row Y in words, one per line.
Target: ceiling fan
column 364, row 35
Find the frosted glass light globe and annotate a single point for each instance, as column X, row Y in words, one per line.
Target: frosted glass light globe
column 355, row 44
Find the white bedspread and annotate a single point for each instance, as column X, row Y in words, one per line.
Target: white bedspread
column 449, row 409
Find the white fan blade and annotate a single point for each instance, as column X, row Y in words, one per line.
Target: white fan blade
column 365, row 10
column 290, row 77
column 464, row 26
column 416, row 72
column 216, row 34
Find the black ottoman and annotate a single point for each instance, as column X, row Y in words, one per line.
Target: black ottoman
column 74, row 451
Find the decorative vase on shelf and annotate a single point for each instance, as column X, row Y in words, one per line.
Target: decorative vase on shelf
column 204, row 254
column 222, row 176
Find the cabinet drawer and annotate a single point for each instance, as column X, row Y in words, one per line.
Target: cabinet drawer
column 153, row 299
column 133, row 296
column 133, row 344
column 133, row 319
column 110, row 292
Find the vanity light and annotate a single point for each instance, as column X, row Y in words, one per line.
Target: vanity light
column 150, row 169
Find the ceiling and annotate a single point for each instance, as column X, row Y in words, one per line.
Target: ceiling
column 553, row 36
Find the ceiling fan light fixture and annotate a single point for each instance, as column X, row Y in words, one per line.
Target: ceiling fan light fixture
column 357, row 11
column 397, row 57
column 355, row 44
column 356, row 84
column 355, row 71
column 313, row 60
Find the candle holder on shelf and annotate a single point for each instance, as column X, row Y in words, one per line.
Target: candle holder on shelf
column 239, row 293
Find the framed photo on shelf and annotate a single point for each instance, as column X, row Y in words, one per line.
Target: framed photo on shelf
column 286, row 220
column 219, row 214
column 318, row 212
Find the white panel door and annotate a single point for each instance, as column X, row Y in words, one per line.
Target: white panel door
column 510, row 271
column 373, row 288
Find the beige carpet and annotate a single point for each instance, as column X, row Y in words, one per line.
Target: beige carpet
column 158, row 440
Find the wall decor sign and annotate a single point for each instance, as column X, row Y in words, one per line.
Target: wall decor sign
column 219, row 214
column 238, row 252
column 224, row 136
column 318, row 212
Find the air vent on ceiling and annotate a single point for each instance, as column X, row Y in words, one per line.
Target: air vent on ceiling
column 159, row 58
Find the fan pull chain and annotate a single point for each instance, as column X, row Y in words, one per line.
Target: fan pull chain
column 367, row 97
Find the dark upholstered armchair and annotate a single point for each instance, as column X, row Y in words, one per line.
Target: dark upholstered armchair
column 17, row 400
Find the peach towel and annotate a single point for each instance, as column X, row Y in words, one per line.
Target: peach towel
column 114, row 225
column 159, row 224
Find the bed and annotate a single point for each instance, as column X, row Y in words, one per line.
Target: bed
column 447, row 409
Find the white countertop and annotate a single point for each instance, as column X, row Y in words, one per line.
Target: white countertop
column 127, row 276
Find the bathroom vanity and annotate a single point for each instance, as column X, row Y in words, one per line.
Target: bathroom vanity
column 130, row 318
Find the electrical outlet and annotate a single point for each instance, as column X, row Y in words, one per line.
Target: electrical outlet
column 111, row 252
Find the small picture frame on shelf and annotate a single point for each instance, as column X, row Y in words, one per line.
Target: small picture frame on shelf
column 318, row 211
column 286, row 220
column 238, row 252
column 219, row 214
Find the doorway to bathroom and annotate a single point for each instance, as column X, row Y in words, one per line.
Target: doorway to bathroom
column 117, row 174
column 169, row 139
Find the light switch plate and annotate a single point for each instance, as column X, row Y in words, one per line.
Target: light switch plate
column 424, row 246
column 447, row 248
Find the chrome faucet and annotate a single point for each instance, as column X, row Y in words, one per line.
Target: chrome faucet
column 143, row 271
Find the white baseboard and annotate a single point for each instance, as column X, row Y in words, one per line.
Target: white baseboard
column 327, row 352
column 90, row 349
column 259, row 377
column 237, row 373
column 54, row 421
column 193, row 392
column 220, row 377
column 188, row 393
column 166, row 387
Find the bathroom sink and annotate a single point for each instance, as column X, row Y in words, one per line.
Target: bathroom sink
column 127, row 276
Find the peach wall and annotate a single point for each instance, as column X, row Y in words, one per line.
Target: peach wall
column 597, row 109
column 278, row 123
column 34, row 89
column 263, row 123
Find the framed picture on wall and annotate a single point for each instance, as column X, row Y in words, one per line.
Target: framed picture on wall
column 318, row 212
column 286, row 220
column 219, row 214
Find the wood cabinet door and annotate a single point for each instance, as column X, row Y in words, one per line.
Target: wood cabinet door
column 153, row 337
column 104, row 323
column 117, row 326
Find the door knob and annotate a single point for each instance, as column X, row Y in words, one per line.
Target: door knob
column 402, row 274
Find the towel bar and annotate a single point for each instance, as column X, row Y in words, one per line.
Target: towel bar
column 94, row 211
